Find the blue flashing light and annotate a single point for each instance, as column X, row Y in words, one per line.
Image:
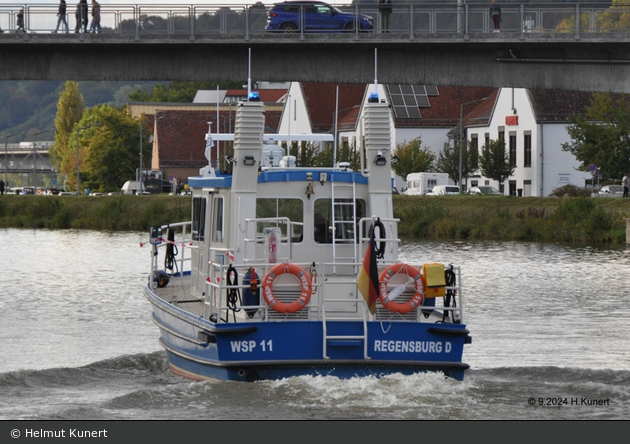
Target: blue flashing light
column 254, row 96
column 373, row 98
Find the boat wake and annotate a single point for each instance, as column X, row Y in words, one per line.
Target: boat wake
column 137, row 387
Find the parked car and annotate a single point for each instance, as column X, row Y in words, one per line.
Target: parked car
column 485, row 191
column 313, row 16
column 611, row 191
column 444, row 190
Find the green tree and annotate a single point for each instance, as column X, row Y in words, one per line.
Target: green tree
column 180, row 91
column 69, row 112
column 448, row 161
column 495, row 161
column 602, row 136
column 412, row 158
column 108, row 148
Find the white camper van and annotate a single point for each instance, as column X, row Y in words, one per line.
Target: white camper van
column 423, row 183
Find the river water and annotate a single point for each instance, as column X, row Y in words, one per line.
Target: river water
column 550, row 326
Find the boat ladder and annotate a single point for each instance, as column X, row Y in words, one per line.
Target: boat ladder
column 344, row 340
column 344, row 223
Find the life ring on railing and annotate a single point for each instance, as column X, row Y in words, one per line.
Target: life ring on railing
column 305, row 282
column 418, row 296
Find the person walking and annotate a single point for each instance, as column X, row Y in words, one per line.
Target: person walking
column 495, row 13
column 625, row 182
column 20, row 21
column 96, row 18
column 385, row 8
column 84, row 15
column 1, row 187
column 61, row 16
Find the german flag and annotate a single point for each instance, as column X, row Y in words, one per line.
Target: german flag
column 368, row 276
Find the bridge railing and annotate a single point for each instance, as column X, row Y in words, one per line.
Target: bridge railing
column 467, row 19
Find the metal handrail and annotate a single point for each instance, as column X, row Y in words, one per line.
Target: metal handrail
column 414, row 19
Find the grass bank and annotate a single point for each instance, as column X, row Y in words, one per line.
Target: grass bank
column 537, row 219
column 108, row 213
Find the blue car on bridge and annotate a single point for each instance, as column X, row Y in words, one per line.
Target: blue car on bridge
column 314, row 16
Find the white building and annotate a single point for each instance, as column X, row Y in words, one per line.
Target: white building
column 533, row 124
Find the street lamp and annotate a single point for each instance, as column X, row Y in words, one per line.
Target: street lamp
column 140, row 179
column 461, row 133
column 6, row 164
column 78, row 166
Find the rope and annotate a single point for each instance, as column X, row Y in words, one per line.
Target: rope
column 233, row 294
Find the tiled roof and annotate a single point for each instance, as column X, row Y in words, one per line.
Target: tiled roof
column 444, row 108
column 556, row 105
column 181, row 134
column 321, row 98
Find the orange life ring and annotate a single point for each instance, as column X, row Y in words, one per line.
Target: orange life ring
column 305, row 282
column 418, row 296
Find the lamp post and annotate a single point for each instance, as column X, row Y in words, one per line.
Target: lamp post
column 461, row 133
column 139, row 178
column 6, row 164
column 78, row 163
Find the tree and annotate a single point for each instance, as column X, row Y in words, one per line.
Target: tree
column 412, row 158
column 180, row 91
column 615, row 19
column 69, row 112
column 448, row 161
column 495, row 161
column 602, row 136
column 110, row 148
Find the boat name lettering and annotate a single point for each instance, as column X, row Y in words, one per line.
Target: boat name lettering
column 412, row 346
column 249, row 346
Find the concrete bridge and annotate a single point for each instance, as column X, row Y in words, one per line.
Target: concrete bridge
column 429, row 43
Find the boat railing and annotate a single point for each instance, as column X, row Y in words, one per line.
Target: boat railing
column 389, row 224
column 181, row 240
column 224, row 299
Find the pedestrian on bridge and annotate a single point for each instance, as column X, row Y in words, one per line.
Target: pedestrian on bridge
column 20, row 21
column 495, row 13
column 82, row 19
column 96, row 18
column 385, row 8
column 61, row 16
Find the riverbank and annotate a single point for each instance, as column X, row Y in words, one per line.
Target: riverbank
column 537, row 219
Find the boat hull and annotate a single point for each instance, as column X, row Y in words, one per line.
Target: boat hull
column 250, row 351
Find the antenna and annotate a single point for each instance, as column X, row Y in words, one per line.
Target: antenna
column 249, row 74
column 373, row 97
column 375, row 70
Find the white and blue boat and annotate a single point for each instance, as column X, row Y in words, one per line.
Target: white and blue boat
column 285, row 271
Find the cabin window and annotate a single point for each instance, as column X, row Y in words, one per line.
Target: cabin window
column 198, row 218
column 272, row 208
column 344, row 220
column 217, row 221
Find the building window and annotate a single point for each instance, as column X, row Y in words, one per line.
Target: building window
column 527, row 148
column 512, row 185
column 512, row 152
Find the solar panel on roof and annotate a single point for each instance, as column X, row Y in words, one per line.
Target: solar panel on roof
column 423, row 102
column 432, row 90
column 414, row 113
column 408, row 99
column 401, row 112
